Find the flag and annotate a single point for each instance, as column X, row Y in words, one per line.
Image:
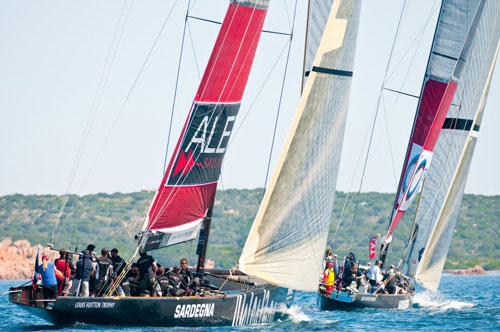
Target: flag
column 35, row 277
column 372, row 247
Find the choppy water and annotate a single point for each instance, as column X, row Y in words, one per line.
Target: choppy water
column 464, row 303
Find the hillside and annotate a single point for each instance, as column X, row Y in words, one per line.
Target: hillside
column 111, row 220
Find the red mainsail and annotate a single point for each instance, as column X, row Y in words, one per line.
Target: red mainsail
column 189, row 185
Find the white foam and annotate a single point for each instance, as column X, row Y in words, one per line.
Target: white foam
column 439, row 302
column 297, row 315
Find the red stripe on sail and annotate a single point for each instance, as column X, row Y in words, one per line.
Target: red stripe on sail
column 435, row 103
column 223, row 82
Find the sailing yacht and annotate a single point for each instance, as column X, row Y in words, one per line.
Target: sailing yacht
column 447, row 121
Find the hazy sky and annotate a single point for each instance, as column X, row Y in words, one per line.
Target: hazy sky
column 65, row 62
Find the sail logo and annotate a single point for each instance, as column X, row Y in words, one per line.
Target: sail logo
column 204, row 143
column 194, row 310
column 415, row 172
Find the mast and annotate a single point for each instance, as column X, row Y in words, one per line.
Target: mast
column 305, row 47
column 201, row 250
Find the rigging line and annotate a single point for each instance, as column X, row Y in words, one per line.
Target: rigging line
column 173, row 193
column 414, row 54
column 375, row 118
column 290, row 26
column 281, row 97
column 401, row 93
column 176, row 86
column 420, row 33
column 219, row 23
column 194, row 51
column 101, row 149
column 95, row 105
column 259, row 92
column 358, row 161
column 250, row 108
column 193, row 4
column 389, row 141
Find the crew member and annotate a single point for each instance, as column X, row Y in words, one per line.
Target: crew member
column 66, row 267
column 84, row 270
column 48, row 272
column 147, row 269
column 118, row 265
column 347, row 277
column 329, row 278
column 186, row 274
column 374, row 275
column 391, row 280
column 105, row 271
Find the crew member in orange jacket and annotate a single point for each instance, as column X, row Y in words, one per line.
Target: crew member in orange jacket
column 329, row 278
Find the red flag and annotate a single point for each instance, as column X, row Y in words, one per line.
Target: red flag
column 372, row 247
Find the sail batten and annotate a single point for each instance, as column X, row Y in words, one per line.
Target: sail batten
column 189, row 185
column 287, row 239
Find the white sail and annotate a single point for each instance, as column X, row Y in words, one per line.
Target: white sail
column 287, row 239
column 443, row 190
column 319, row 10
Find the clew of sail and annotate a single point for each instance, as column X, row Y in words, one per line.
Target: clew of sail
column 189, row 185
column 287, row 239
column 451, row 45
column 443, row 190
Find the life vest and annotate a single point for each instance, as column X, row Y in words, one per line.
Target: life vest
column 329, row 277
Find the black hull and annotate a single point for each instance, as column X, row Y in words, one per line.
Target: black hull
column 348, row 301
column 262, row 304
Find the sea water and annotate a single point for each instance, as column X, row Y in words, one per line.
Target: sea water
column 463, row 303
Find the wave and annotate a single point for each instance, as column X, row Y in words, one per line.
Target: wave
column 437, row 301
column 297, row 315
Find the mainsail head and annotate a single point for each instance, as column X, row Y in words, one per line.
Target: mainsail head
column 189, row 185
column 287, row 239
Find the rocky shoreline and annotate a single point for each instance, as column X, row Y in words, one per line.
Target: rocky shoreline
column 17, row 259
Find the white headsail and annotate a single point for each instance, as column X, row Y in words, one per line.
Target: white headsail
column 287, row 239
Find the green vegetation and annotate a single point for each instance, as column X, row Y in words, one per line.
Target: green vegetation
column 112, row 220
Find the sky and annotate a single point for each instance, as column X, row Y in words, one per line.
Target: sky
column 87, row 87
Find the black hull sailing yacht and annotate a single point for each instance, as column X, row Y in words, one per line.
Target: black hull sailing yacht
column 451, row 104
column 261, row 303
column 291, row 226
column 182, row 207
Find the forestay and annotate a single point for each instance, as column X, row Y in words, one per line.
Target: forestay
column 443, row 189
column 189, row 185
column 287, row 239
column 444, row 69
